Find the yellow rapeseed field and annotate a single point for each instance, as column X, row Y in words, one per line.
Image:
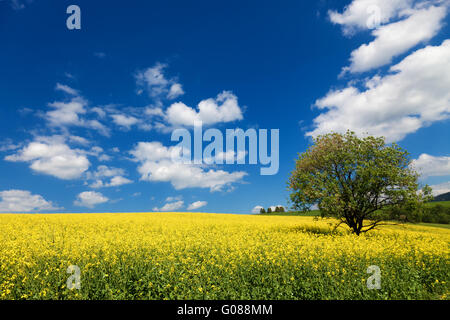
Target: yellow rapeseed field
column 215, row 256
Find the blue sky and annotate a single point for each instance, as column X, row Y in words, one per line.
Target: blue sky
column 83, row 112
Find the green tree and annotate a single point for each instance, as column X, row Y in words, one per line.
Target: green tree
column 355, row 180
column 262, row 210
column 269, row 210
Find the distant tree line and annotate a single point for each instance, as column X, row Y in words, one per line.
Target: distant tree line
column 269, row 210
column 435, row 213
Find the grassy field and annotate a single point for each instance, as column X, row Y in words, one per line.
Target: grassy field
column 312, row 213
column 437, row 225
column 442, row 203
column 316, row 213
column 214, row 256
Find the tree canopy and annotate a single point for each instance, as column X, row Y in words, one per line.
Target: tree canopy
column 354, row 180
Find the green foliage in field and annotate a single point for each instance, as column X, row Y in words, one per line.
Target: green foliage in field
column 432, row 212
column 442, row 203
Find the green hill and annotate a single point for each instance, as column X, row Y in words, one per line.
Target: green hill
column 442, row 197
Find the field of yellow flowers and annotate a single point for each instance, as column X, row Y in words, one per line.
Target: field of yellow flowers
column 215, row 256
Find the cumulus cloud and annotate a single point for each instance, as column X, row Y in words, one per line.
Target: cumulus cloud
column 124, row 120
column 171, row 206
column 221, row 109
column 52, row 156
column 414, row 94
column 79, row 140
column 224, row 108
column 431, row 166
column 197, row 205
column 366, row 14
column 118, row 181
column 72, row 113
column 90, row 199
column 66, row 113
column 156, row 164
column 153, row 111
column 396, row 38
column 104, row 173
column 23, row 201
column 114, row 182
column 97, row 152
column 154, row 81
column 128, row 118
column 175, row 91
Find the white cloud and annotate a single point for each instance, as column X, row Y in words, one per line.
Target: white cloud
column 105, row 171
column 154, row 111
column 79, row 140
column 118, row 181
column 50, row 155
column 156, row 164
column 8, row 145
column 413, row 95
column 97, row 184
column 66, row 89
column 131, row 117
column 124, row 120
column 224, row 108
column 396, row 38
column 99, row 111
column 172, row 199
column 23, row 201
column 66, row 113
column 115, row 176
column 172, row 206
column 257, row 209
column 96, row 125
column 439, row 189
column 431, row 166
column 71, row 113
column 156, row 83
column 90, row 199
column 197, row 205
column 175, row 91
column 365, row 14
column 114, row 182
column 97, row 152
